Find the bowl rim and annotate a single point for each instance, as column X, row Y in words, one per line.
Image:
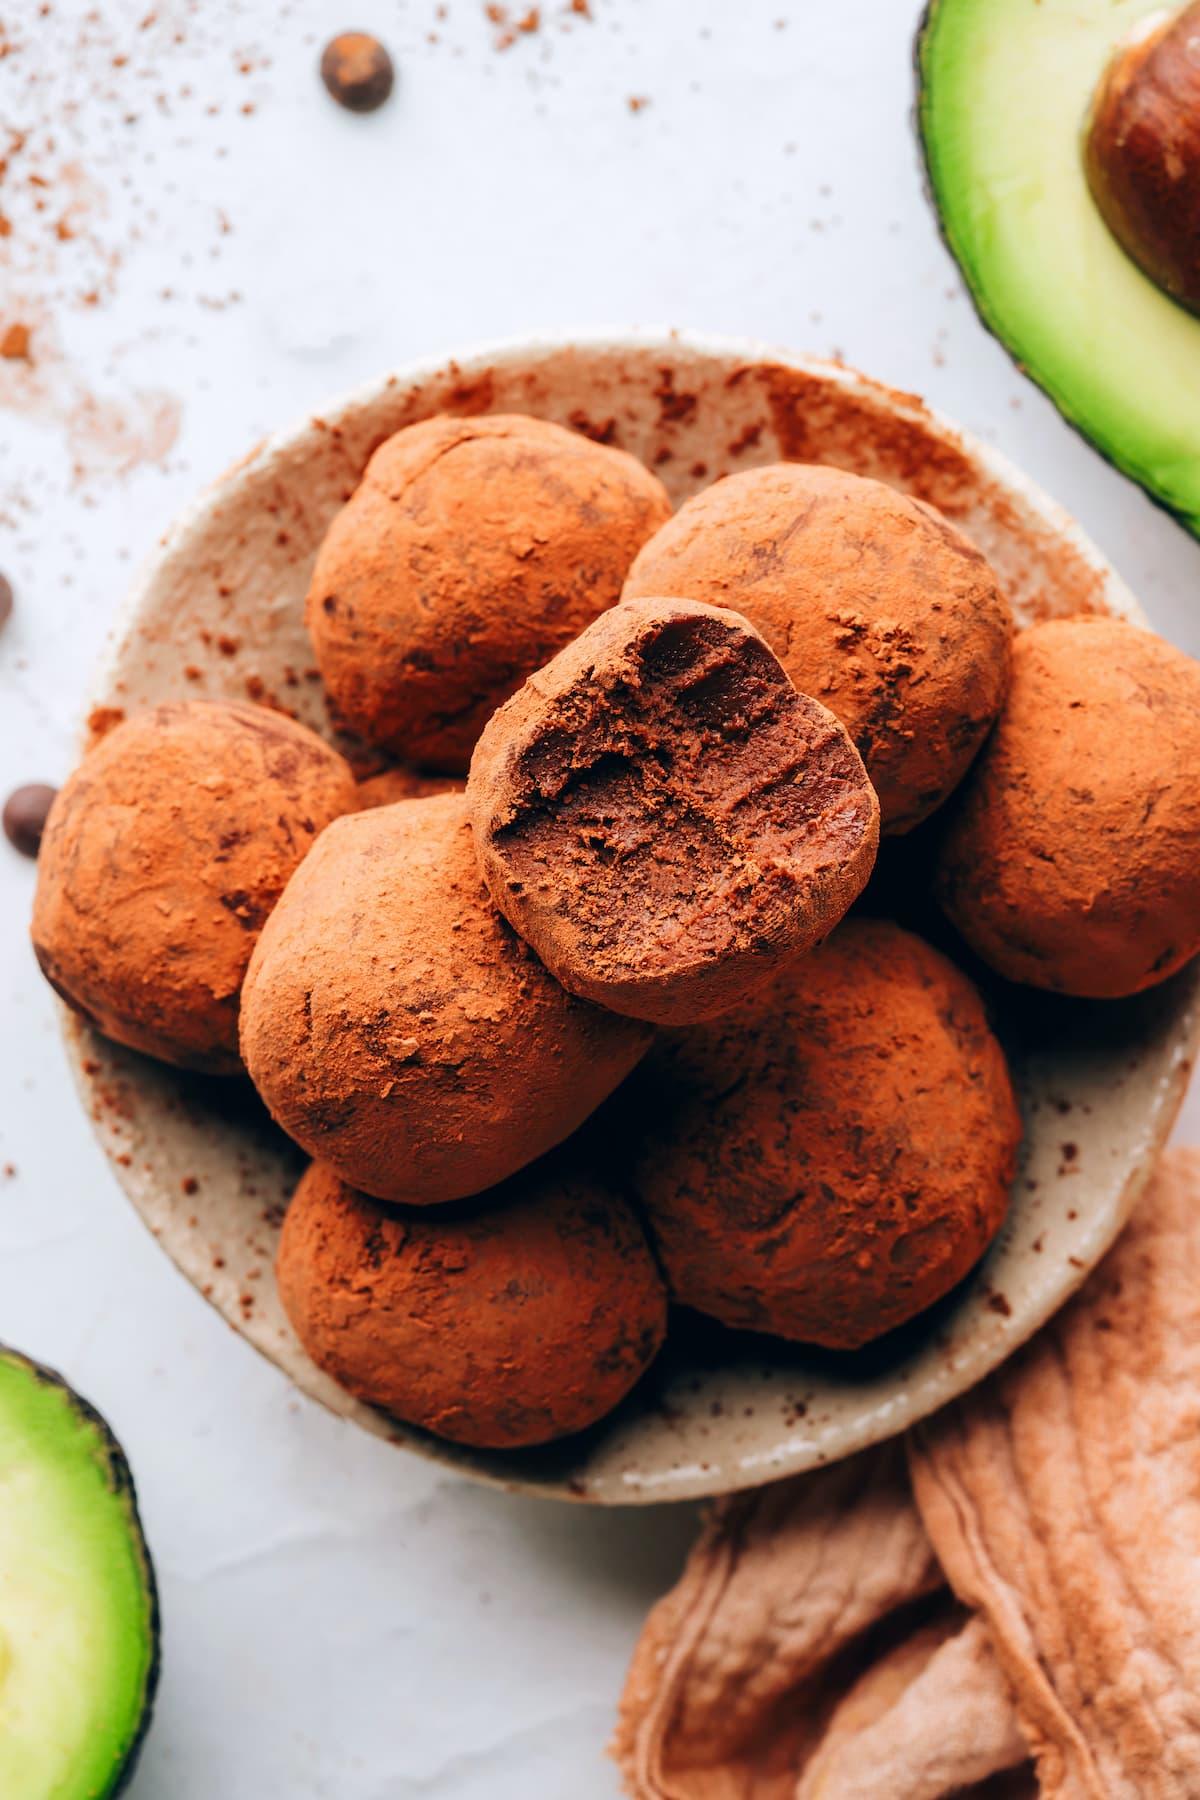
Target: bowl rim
column 667, row 340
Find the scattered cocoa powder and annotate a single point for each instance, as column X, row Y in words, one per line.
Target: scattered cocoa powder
column 816, row 420
column 511, row 22
column 15, row 344
column 517, row 1319
column 882, row 432
column 601, row 431
column 92, row 97
column 101, row 720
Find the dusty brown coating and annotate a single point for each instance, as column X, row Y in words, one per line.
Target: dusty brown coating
column 472, row 551
column 399, row 1030
column 830, row 1159
column 1071, row 858
column 874, row 604
column 401, row 783
column 526, row 1316
column 163, row 855
column 664, row 818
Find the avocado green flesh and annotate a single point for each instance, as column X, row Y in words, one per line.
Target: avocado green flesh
column 1005, row 90
column 77, row 1608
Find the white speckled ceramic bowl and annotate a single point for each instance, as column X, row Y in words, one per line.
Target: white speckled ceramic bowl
column 219, row 612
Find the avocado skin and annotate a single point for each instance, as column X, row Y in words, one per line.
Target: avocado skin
column 978, row 300
column 121, row 1481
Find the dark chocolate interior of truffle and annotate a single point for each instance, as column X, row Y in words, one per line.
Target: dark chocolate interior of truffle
column 683, row 797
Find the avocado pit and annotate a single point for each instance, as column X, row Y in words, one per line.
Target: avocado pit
column 1142, row 151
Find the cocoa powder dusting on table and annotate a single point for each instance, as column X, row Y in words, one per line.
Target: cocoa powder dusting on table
column 14, row 345
column 511, row 23
column 88, row 102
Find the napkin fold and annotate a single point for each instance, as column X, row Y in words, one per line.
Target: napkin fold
column 1004, row 1605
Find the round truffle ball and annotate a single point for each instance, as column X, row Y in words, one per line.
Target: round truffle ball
column 874, row 604
column 664, row 817
column 525, row 1316
column 398, row 1029
column 403, row 783
column 163, row 855
column 832, row 1158
column 1071, row 858
column 471, row 552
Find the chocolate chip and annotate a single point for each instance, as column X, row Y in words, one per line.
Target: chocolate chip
column 357, row 71
column 6, row 599
column 25, row 816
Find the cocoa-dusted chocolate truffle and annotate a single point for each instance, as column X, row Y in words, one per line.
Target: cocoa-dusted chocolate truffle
column 162, row 857
column 399, row 1030
column 830, row 1159
column 664, row 817
column 403, row 783
column 472, row 551
column 1071, row 857
column 875, row 605
column 517, row 1319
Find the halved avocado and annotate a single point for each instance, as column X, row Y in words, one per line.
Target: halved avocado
column 78, row 1605
column 1005, row 88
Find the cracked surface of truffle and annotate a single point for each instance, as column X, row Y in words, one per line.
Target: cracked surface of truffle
column 520, row 1318
column 397, row 1028
column 471, row 552
column 873, row 602
column 664, row 818
column 163, row 856
column 832, row 1158
column 1071, row 858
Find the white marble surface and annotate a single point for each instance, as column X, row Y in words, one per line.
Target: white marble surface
column 340, row 1620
